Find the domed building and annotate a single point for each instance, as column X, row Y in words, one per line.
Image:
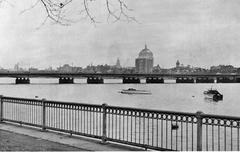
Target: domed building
column 144, row 62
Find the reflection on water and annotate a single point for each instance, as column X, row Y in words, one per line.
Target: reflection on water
column 168, row 96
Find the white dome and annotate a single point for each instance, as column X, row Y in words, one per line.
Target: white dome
column 146, row 53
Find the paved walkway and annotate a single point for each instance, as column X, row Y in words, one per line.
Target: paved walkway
column 17, row 138
column 10, row 141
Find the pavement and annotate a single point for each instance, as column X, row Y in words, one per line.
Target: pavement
column 18, row 138
column 10, row 141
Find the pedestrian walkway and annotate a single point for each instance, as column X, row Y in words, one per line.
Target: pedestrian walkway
column 19, row 138
column 10, row 141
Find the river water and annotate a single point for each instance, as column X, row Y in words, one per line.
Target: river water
column 167, row 96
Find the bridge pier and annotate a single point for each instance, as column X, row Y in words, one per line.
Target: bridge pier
column 154, row 80
column 184, row 80
column 66, row 80
column 95, row 80
column 131, row 80
column 226, row 80
column 237, row 80
column 204, row 80
column 22, row 81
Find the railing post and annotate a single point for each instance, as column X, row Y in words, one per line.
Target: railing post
column 104, row 123
column 1, row 108
column 43, row 114
column 199, row 130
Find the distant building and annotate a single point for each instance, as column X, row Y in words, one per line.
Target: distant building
column 65, row 68
column 49, row 69
column 177, row 64
column 157, row 69
column 32, row 69
column 223, row 69
column 16, row 67
column 118, row 65
column 144, row 62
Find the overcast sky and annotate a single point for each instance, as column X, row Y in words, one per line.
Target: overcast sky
column 196, row 32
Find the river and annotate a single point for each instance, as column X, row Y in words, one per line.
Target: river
column 167, row 96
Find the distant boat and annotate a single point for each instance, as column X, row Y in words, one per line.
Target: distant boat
column 134, row 91
column 213, row 94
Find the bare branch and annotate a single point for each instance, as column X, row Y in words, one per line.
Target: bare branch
column 55, row 12
column 110, row 12
column 31, row 7
column 59, row 11
column 6, row 1
column 87, row 11
column 124, row 7
column 43, row 23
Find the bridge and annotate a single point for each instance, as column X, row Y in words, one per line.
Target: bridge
column 98, row 78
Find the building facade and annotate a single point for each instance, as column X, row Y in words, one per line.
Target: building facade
column 144, row 62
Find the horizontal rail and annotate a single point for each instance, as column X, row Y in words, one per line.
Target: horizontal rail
column 108, row 75
column 221, row 117
column 20, row 100
column 147, row 128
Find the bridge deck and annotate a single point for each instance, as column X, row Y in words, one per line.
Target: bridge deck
column 107, row 75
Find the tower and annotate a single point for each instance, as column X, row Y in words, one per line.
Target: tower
column 118, row 65
column 177, row 64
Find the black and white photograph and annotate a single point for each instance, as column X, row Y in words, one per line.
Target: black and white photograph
column 119, row 75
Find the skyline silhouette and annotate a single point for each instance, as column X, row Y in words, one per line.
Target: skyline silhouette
column 199, row 33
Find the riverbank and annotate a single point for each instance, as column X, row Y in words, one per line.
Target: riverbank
column 22, row 138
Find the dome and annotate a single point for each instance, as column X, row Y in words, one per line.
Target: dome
column 146, row 53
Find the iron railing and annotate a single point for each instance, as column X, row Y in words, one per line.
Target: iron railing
column 150, row 129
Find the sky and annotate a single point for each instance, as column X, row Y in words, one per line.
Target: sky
column 200, row 33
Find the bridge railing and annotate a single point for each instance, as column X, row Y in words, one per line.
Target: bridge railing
column 150, row 129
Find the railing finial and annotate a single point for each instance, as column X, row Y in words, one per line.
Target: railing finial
column 199, row 113
column 104, row 104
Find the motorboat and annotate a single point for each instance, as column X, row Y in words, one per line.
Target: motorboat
column 213, row 94
column 134, row 91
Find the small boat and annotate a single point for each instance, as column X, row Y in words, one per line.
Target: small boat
column 134, row 91
column 213, row 94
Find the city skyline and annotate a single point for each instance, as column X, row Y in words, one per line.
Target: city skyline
column 199, row 33
column 117, row 66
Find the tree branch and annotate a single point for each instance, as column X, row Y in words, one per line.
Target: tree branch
column 58, row 10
